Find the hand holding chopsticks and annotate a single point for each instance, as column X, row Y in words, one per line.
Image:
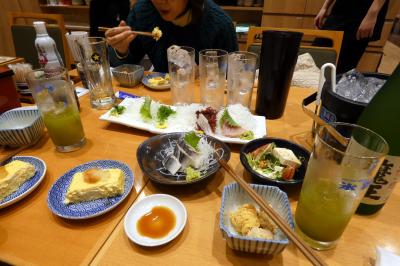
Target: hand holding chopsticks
column 300, row 244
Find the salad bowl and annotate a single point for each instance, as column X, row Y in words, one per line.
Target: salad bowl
column 300, row 152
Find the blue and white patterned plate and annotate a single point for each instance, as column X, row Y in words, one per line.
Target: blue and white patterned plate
column 88, row 209
column 145, row 81
column 30, row 184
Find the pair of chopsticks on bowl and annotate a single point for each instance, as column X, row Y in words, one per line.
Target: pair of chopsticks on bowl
column 300, row 244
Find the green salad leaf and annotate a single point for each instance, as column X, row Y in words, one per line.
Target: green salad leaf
column 145, row 109
column 118, row 110
column 192, row 174
column 226, row 117
column 163, row 113
column 192, row 139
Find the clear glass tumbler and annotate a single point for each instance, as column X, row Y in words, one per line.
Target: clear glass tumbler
column 181, row 67
column 241, row 72
column 56, row 102
column 336, row 180
column 94, row 59
column 212, row 67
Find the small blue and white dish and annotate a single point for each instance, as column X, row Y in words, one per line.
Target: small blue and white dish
column 30, row 184
column 233, row 197
column 147, row 77
column 21, row 126
column 128, row 75
column 88, row 209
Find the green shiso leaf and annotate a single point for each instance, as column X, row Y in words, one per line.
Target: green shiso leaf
column 226, row 117
column 192, row 139
column 163, row 113
column 145, row 109
column 118, row 110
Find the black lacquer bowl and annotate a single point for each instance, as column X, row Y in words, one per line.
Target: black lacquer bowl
column 301, row 153
column 151, row 152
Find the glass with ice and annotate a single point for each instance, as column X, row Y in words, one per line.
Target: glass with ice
column 94, row 59
column 181, row 66
column 212, row 67
column 336, row 180
column 241, row 72
column 56, row 102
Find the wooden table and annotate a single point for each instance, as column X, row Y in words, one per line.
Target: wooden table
column 30, row 234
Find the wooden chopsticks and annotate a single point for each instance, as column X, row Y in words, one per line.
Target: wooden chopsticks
column 300, row 244
column 136, row 32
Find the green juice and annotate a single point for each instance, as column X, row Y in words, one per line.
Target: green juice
column 324, row 210
column 65, row 127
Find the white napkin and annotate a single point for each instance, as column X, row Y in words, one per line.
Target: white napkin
column 385, row 257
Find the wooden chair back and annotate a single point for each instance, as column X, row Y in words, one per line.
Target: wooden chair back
column 55, row 22
column 335, row 36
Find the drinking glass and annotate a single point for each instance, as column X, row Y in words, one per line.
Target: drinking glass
column 241, row 71
column 57, row 105
column 336, row 180
column 213, row 65
column 181, row 67
column 94, row 59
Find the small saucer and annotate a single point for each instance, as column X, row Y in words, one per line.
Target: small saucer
column 144, row 206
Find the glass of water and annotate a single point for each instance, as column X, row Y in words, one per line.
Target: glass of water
column 181, row 67
column 94, row 59
column 241, row 72
column 213, row 65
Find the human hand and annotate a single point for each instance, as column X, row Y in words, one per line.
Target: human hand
column 319, row 19
column 366, row 28
column 120, row 37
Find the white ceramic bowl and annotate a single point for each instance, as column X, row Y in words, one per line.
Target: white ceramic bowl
column 233, row 197
column 137, row 210
column 21, row 126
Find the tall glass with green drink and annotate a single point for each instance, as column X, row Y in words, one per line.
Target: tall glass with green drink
column 336, row 180
column 54, row 96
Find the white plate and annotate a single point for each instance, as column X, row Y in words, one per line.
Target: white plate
column 144, row 206
column 259, row 132
column 29, row 185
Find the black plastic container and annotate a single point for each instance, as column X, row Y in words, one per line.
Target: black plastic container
column 335, row 108
column 278, row 58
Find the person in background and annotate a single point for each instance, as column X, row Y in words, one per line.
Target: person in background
column 200, row 24
column 105, row 13
column 360, row 20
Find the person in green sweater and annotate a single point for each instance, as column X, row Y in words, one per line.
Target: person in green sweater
column 200, row 24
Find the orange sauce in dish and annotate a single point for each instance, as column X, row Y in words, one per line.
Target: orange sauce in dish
column 157, row 223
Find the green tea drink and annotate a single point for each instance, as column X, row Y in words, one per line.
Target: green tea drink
column 64, row 126
column 327, row 201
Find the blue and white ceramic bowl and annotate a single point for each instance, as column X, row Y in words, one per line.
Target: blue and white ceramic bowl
column 21, row 126
column 128, row 75
column 233, row 197
column 88, row 209
column 30, row 184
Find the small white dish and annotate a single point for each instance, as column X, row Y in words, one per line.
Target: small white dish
column 137, row 210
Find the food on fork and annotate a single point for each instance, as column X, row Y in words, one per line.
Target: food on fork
column 13, row 175
column 94, row 184
column 157, row 33
column 248, row 221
